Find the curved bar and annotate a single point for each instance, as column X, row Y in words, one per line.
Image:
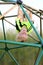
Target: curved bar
column 21, row 43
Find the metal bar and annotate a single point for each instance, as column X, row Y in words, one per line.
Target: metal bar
column 41, row 10
column 31, row 8
column 7, row 3
column 39, row 57
column 31, row 24
column 40, row 26
column 21, row 43
column 32, row 12
column 7, row 11
column 13, row 58
column 33, row 38
column 4, row 32
column 16, row 47
column 10, row 16
column 37, row 11
column 10, row 23
column 2, row 55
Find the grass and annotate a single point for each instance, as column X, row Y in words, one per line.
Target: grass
column 25, row 56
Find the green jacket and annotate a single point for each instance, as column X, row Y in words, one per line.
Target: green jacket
column 19, row 25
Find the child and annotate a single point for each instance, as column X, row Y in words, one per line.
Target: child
column 22, row 25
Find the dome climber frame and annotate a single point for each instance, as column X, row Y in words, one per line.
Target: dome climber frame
column 38, row 44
